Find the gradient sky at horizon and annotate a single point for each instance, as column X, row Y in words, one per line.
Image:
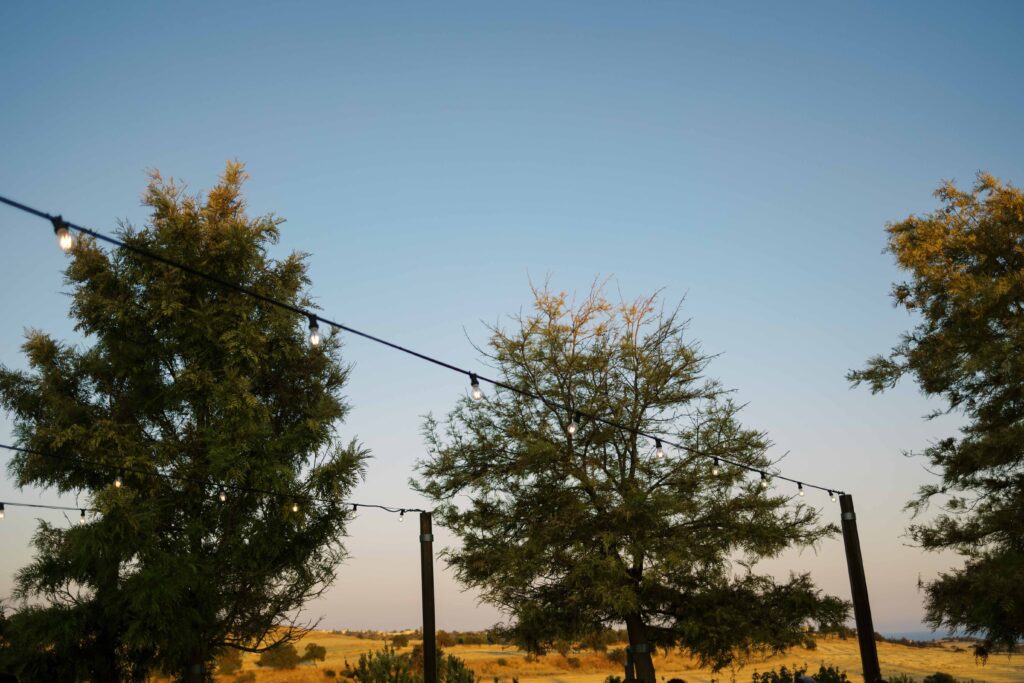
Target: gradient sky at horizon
column 432, row 158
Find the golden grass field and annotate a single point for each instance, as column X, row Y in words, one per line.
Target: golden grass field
column 594, row 667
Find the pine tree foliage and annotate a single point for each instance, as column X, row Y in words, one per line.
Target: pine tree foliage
column 965, row 267
column 179, row 376
column 570, row 534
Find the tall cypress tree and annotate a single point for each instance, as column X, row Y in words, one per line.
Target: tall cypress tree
column 571, row 531
column 181, row 377
column 965, row 286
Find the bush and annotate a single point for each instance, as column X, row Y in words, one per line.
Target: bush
column 314, row 653
column 901, row 678
column 400, row 640
column 617, row 655
column 283, row 656
column 825, row 674
column 384, row 666
column 502, row 661
column 229, row 661
column 573, row 662
column 939, row 677
column 454, row 670
column 613, row 679
column 330, row 673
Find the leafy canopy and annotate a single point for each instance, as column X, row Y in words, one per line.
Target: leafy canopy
column 181, row 377
column 572, row 533
column 965, row 269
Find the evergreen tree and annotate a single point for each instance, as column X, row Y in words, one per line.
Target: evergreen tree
column 965, row 264
column 571, row 533
column 181, row 377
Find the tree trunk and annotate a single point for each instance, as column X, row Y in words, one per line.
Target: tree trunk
column 642, row 661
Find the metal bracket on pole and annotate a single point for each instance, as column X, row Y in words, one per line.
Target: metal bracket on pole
column 859, row 592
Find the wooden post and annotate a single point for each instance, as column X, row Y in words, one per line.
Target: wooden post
column 859, row 591
column 427, row 582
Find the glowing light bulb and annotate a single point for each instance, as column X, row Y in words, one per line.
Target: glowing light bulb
column 81, row 517
column 573, row 426
column 222, row 495
column 64, row 237
column 2, row 515
column 295, row 507
column 118, row 481
column 659, row 452
column 474, row 387
column 401, row 515
column 800, row 488
column 314, row 332
column 764, row 480
column 832, row 496
column 714, row 468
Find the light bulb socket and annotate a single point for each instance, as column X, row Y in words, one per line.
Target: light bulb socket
column 314, row 331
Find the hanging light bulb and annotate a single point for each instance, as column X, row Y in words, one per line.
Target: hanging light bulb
column 2, row 511
column 764, row 480
column 81, row 517
column 659, row 452
column 118, row 481
column 474, row 387
column 314, row 332
column 64, row 237
column 573, row 425
column 295, row 507
column 222, row 495
column 800, row 488
column 401, row 515
column 715, row 468
column 832, row 496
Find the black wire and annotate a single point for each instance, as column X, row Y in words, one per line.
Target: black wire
column 95, row 465
column 46, row 507
column 58, row 221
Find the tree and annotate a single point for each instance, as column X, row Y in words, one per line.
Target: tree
column 184, row 378
column 314, row 653
column 572, row 533
column 281, row 656
column 965, row 266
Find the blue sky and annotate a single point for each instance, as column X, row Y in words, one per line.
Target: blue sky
column 432, row 158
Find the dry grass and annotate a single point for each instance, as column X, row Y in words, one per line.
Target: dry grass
column 594, row 667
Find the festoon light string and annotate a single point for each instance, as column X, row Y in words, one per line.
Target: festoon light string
column 62, row 229
column 221, row 488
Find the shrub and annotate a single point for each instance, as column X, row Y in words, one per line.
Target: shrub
column 314, row 652
column 330, row 673
column 573, row 662
column 282, row 656
column 502, row 661
column 384, row 666
column 617, row 655
column 901, row 678
column 830, row 674
column 229, row 661
column 939, row 677
column 454, row 670
column 400, row 640
column 613, row 679
column 825, row 674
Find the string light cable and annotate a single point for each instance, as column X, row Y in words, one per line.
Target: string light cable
column 62, row 229
column 221, row 488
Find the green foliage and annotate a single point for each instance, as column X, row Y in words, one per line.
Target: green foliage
column 573, row 533
column 387, row 666
column 282, row 656
column 314, row 653
column 229, row 661
column 825, row 674
column 400, row 640
column 901, row 678
column 613, row 679
column 330, row 673
column 181, row 376
column 965, row 268
column 940, row 677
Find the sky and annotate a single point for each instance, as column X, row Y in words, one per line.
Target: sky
column 432, row 158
